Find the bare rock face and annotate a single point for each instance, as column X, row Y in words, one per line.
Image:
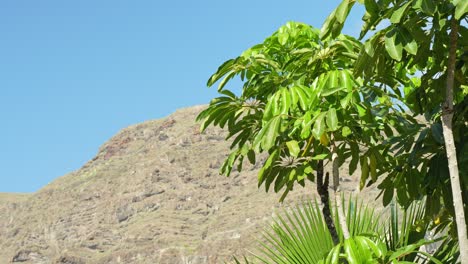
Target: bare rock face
column 152, row 194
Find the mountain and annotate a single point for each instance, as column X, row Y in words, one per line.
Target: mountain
column 152, row 194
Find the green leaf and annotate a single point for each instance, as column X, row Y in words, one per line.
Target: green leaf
column 321, row 81
column 410, row 44
column 228, row 93
column 320, row 156
column 387, row 196
column 332, row 119
column 364, row 172
column 325, row 139
column 334, row 256
column 371, row 7
column 342, row 11
column 328, row 25
column 373, row 167
column 306, row 125
column 398, row 14
column 285, row 193
column 241, row 138
column 461, row 8
column 266, row 167
column 345, row 131
column 285, row 101
column 351, row 252
column 226, row 80
column 271, row 133
column 362, row 61
column 369, row 47
column 292, row 175
column 280, row 181
column 346, row 80
column 273, row 173
column 251, row 156
column 271, row 108
column 393, row 46
column 229, row 163
column 294, row 97
column 388, row 130
column 226, row 67
column 366, row 243
column 404, row 251
column 402, row 196
column 302, row 97
column 332, row 80
column 345, row 101
column 266, row 138
column 428, row 7
column 214, row 114
column 283, row 37
column 335, row 21
column 331, row 90
column 293, row 148
column 437, row 134
column 319, row 126
column 362, row 111
column 355, row 157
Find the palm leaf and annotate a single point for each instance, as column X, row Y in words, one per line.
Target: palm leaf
column 300, row 236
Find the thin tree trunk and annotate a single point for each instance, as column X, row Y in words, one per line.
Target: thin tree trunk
column 322, row 189
column 447, row 115
column 337, row 191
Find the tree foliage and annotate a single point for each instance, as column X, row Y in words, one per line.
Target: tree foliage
column 415, row 44
column 300, row 101
column 309, row 96
column 427, row 46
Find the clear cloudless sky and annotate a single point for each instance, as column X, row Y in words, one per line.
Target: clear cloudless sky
column 73, row 73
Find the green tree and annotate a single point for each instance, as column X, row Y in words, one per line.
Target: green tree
column 301, row 104
column 425, row 44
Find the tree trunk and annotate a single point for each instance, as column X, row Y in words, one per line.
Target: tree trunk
column 447, row 114
column 322, row 189
column 337, row 191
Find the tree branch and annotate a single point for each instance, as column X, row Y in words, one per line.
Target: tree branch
column 322, row 189
column 447, row 115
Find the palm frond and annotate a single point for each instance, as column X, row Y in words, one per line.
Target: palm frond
column 408, row 229
column 300, row 236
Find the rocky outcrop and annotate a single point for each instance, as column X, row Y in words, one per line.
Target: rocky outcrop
column 152, row 194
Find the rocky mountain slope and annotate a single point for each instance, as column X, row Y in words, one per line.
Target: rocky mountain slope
column 152, row 194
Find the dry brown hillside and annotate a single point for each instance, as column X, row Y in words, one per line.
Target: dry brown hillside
column 152, row 194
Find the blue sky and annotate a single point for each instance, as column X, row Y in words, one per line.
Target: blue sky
column 73, row 73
